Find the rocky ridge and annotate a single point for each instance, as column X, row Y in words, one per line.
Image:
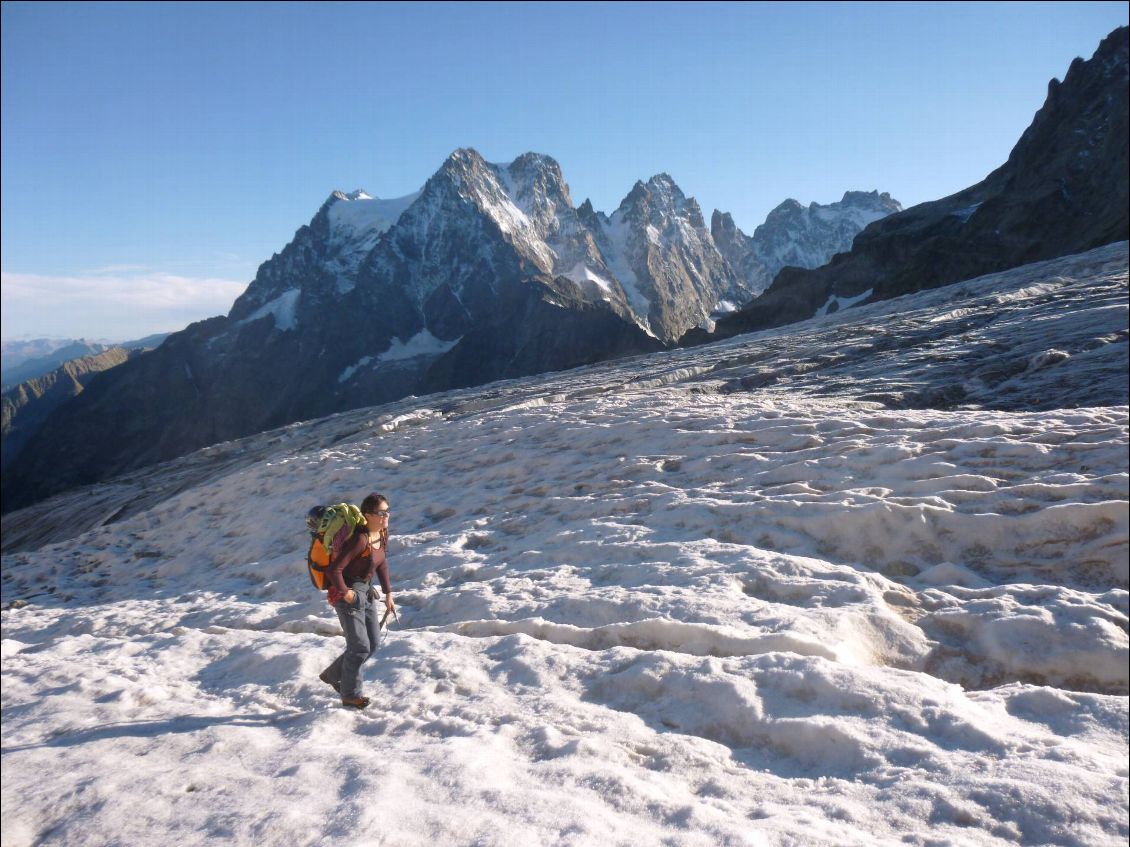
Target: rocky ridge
column 1063, row 190
column 27, row 405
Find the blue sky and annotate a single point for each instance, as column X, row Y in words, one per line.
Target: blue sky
column 155, row 154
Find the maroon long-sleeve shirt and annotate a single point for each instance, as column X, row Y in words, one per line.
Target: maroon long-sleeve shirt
column 352, row 565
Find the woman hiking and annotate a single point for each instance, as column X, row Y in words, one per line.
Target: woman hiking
column 353, row 597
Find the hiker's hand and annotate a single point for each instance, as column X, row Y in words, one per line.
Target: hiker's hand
column 389, row 605
column 349, row 596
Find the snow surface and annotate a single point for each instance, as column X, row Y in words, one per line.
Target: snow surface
column 746, row 593
column 359, row 213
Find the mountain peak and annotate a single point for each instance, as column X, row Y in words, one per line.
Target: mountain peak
column 535, row 161
column 660, row 193
column 722, row 222
column 788, row 205
column 356, row 194
column 535, row 175
column 464, row 161
column 465, row 155
column 662, row 185
column 869, row 200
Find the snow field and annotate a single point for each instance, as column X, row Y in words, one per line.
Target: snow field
column 750, row 634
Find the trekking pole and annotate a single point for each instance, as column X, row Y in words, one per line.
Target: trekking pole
column 388, row 612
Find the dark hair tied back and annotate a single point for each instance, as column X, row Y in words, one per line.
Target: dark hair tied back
column 371, row 504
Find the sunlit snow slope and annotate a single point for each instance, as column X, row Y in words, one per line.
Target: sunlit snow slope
column 857, row 581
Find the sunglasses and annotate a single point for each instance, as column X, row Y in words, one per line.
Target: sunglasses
column 382, row 513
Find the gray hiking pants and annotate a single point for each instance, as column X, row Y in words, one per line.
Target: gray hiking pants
column 361, row 624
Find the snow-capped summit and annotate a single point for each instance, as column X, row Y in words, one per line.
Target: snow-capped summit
column 323, row 258
column 356, row 221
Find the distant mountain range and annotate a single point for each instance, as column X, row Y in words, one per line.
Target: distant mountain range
column 27, row 359
column 488, row 272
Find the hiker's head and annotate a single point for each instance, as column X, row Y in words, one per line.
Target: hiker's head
column 375, row 509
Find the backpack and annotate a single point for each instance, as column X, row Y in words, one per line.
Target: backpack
column 330, row 527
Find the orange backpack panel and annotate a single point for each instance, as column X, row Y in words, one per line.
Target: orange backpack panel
column 318, row 563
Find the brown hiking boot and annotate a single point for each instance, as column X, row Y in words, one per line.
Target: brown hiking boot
column 356, row 702
column 324, row 677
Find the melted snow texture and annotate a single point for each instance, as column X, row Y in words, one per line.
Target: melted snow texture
column 730, row 595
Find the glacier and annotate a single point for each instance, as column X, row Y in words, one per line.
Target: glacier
column 856, row 581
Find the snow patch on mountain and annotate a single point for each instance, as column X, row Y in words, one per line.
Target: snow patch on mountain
column 347, row 374
column 356, row 222
column 581, row 274
column 284, row 310
column 835, row 303
column 965, row 214
column 358, row 213
column 422, row 343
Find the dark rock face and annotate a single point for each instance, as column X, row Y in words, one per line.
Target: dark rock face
column 740, row 252
column 1063, row 190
